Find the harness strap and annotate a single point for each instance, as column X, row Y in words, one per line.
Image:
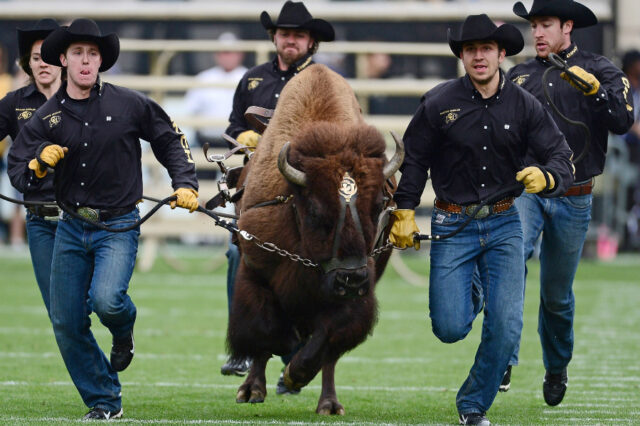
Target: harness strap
column 253, row 112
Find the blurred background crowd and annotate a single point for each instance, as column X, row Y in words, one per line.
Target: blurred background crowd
column 189, row 56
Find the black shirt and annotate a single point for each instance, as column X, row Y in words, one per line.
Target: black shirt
column 103, row 168
column 474, row 147
column 611, row 109
column 16, row 108
column 260, row 86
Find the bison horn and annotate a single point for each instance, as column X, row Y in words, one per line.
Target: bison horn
column 396, row 161
column 292, row 174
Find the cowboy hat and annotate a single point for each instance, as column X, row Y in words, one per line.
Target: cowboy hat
column 81, row 30
column 39, row 31
column 480, row 27
column 296, row 15
column 581, row 15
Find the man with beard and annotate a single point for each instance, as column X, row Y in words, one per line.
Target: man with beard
column 296, row 36
column 606, row 105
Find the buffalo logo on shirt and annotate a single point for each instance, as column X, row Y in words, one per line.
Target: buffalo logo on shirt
column 25, row 115
column 519, row 80
column 450, row 115
column 54, row 119
column 253, row 83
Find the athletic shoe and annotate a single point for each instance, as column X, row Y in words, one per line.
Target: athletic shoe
column 506, row 380
column 122, row 351
column 554, row 387
column 474, row 419
column 236, row 367
column 101, row 414
column 282, row 389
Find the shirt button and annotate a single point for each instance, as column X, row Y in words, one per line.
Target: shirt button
column 550, row 84
column 277, row 95
column 86, row 124
column 282, row 78
column 484, row 167
column 486, row 106
column 484, row 147
column 77, row 204
column 85, row 144
column 482, row 185
column 81, row 183
column 485, row 127
column 84, row 165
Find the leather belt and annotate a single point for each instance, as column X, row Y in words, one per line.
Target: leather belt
column 100, row 215
column 583, row 189
column 499, row 207
column 44, row 211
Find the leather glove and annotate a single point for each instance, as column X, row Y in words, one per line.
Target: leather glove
column 534, row 181
column 249, row 138
column 586, row 76
column 187, row 198
column 403, row 229
column 47, row 155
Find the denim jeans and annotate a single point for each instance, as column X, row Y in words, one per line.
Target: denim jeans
column 41, row 235
column 493, row 247
column 233, row 262
column 90, row 271
column 563, row 223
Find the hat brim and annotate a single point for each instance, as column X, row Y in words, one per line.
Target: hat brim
column 506, row 35
column 580, row 14
column 26, row 38
column 58, row 41
column 319, row 28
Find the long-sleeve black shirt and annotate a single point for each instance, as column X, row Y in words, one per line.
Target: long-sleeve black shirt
column 611, row 109
column 103, row 166
column 474, row 147
column 16, row 108
column 261, row 86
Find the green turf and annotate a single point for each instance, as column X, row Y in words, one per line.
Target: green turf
column 401, row 375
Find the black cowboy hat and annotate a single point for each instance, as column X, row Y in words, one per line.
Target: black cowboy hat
column 481, row 27
column 580, row 14
column 296, row 15
column 39, row 31
column 81, row 30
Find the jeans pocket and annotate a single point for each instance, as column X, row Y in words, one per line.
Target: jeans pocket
column 441, row 218
column 579, row 201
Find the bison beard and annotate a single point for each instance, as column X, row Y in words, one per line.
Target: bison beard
column 280, row 304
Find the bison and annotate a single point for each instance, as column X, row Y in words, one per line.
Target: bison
column 320, row 206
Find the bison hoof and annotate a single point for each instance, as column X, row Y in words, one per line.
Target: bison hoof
column 328, row 407
column 256, row 397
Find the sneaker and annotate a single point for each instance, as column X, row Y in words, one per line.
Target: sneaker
column 506, row 380
column 122, row 351
column 282, row 389
column 102, row 414
column 554, row 387
column 474, row 419
column 236, row 367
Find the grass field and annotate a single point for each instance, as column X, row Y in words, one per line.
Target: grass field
column 401, row 375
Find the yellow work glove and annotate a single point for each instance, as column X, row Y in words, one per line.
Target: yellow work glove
column 534, row 180
column 586, row 76
column 404, row 228
column 187, row 198
column 249, row 138
column 49, row 155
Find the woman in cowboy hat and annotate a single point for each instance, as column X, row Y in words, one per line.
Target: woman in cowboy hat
column 96, row 127
column 473, row 134
column 296, row 35
column 605, row 106
column 16, row 109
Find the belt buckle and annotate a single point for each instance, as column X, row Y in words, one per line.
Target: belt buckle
column 88, row 213
column 482, row 213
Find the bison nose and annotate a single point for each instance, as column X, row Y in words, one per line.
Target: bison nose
column 352, row 282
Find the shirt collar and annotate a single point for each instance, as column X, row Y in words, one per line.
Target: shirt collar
column 466, row 82
column 296, row 67
column 30, row 90
column 564, row 54
column 96, row 90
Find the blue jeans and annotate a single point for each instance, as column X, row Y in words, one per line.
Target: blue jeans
column 90, row 271
column 563, row 223
column 41, row 235
column 233, row 262
column 493, row 248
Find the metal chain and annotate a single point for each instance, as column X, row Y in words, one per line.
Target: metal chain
column 382, row 248
column 275, row 249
